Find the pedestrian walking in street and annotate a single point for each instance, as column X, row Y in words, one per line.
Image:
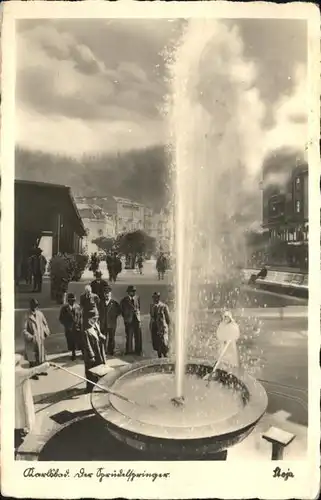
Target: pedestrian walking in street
column 93, row 340
column 24, row 407
column 94, row 263
column 161, row 266
column 228, row 331
column 130, row 309
column 109, row 312
column 98, row 285
column 116, row 267
column 159, row 325
column 35, row 331
column 109, row 264
column 38, row 269
column 140, row 264
column 71, row 318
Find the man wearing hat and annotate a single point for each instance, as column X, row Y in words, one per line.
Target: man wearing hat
column 38, row 269
column 93, row 341
column 109, row 312
column 159, row 325
column 130, row 309
column 98, row 285
column 35, row 331
column 70, row 318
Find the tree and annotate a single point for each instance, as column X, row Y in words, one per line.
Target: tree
column 134, row 243
column 103, row 243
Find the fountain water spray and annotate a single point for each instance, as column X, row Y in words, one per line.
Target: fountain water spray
column 215, row 121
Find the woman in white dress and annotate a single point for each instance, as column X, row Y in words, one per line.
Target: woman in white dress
column 24, row 407
column 228, row 331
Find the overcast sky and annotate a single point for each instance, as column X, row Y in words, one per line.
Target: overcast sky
column 86, row 86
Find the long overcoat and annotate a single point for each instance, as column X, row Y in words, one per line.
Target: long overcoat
column 71, row 318
column 130, row 309
column 35, row 331
column 159, row 324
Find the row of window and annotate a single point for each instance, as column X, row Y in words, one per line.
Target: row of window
column 277, row 207
column 290, row 234
column 300, row 190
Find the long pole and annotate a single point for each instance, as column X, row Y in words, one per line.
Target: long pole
column 113, row 393
column 210, row 375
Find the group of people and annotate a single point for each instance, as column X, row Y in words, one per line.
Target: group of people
column 90, row 325
column 33, row 268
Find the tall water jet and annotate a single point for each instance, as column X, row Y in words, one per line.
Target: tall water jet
column 215, row 121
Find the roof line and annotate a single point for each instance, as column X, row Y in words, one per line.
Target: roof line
column 44, row 184
column 62, row 188
column 76, row 209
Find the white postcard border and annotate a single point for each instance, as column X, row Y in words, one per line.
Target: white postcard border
column 187, row 479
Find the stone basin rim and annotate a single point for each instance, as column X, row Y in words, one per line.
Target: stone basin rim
column 237, row 423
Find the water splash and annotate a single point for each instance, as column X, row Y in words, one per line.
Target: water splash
column 215, row 120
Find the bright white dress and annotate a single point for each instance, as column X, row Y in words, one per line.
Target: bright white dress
column 24, row 407
column 228, row 332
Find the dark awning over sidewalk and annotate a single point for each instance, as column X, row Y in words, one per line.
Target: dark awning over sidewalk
column 43, row 208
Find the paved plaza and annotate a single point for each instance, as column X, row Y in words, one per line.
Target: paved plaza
column 273, row 348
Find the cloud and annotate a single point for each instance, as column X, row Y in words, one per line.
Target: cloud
column 104, row 107
column 94, row 76
column 291, row 117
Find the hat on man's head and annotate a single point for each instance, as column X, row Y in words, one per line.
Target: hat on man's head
column 98, row 274
column 34, row 302
column 131, row 288
column 156, row 294
column 71, row 296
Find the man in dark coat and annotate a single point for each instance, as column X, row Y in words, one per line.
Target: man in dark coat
column 71, row 319
column 109, row 312
column 116, row 267
column 38, row 268
column 89, row 303
column 140, row 264
column 92, row 339
column 159, row 325
column 109, row 264
column 98, row 285
column 94, row 263
column 130, row 309
column 161, row 266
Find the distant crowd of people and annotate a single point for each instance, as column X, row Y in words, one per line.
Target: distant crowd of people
column 33, row 268
column 114, row 264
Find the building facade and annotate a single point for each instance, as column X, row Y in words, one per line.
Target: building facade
column 127, row 215
column 286, row 217
column 97, row 224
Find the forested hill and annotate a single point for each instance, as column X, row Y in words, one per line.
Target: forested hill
column 140, row 175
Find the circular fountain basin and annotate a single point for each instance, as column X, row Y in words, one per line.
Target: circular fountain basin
column 213, row 417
